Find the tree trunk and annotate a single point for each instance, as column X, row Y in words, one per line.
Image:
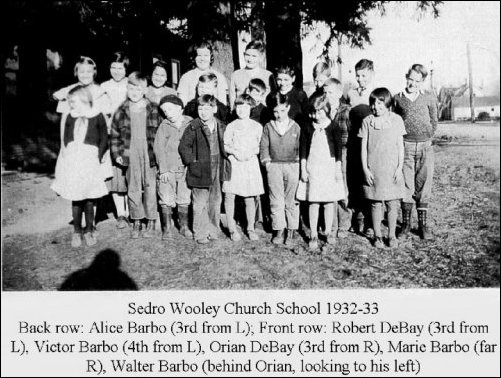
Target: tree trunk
column 283, row 36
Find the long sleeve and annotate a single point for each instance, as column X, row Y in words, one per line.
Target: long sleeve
column 304, row 143
column 257, row 141
column 160, row 148
column 186, row 146
column 102, row 129
column 338, row 143
column 229, row 142
column 183, row 88
column 264, row 150
column 433, row 108
column 116, row 139
column 232, row 90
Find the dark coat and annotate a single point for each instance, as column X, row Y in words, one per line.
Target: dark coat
column 223, row 111
column 194, row 149
column 334, row 139
column 97, row 133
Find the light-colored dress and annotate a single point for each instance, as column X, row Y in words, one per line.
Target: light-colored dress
column 325, row 177
column 384, row 134
column 78, row 170
column 246, row 179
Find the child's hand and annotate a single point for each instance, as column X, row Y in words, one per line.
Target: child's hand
column 163, row 178
column 369, row 177
column 119, row 160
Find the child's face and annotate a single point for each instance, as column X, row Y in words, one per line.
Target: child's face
column 206, row 112
column 284, row 82
column 257, row 95
column 252, row 58
column 208, row 88
column 158, row 77
column 172, row 111
column 414, row 82
column 117, row 71
column 77, row 104
column 135, row 92
column 320, row 80
column 243, row 111
column 281, row 112
column 319, row 115
column 379, row 108
column 202, row 60
column 85, row 73
column 333, row 94
column 364, row 77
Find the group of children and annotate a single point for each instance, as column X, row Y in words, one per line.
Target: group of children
column 272, row 146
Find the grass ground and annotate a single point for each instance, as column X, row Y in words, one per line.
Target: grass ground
column 464, row 253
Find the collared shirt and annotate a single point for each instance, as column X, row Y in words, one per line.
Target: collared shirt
column 412, row 96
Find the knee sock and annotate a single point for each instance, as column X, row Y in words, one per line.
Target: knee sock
column 229, row 207
column 329, row 215
column 119, row 201
column 377, row 217
column 89, row 215
column 392, row 217
column 250, row 211
column 76, row 211
column 313, row 215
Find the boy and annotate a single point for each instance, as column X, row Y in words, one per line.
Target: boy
column 296, row 98
column 202, row 151
column 358, row 99
column 420, row 113
column 133, row 130
column 240, row 79
column 172, row 188
column 257, row 90
column 207, row 85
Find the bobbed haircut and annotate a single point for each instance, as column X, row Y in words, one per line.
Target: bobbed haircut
column 321, row 68
column 256, row 45
column 206, row 100
column 137, row 78
column 202, row 45
column 257, row 84
column 82, row 92
column 419, row 68
column 286, row 69
column 245, row 99
column 364, row 64
column 161, row 64
column 120, row 57
column 381, row 94
column 277, row 99
column 85, row 60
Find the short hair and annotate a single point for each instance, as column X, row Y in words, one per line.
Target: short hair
column 320, row 102
column 256, row 45
column 381, row 94
column 83, row 92
column 286, row 69
column 206, row 100
column 277, row 99
column 257, row 84
column 245, row 99
column 420, row 69
column 364, row 64
column 321, row 68
column 161, row 64
column 85, row 60
column 137, row 78
column 208, row 78
column 202, row 45
column 120, row 57
column 331, row 81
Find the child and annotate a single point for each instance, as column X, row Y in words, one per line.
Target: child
column 172, row 188
column 420, row 113
column 321, row 72
column 321, row 172
column 207, row 85
column 257, row 90
column 202, row 151
column 203, row 59
column 382, row 161
column 340, row 116
column 133, row 132
column 240, row 79
column 158, row 87
column 358, row 99
column 116, row 89
column 241, row 142
column 84, row 140
column 296, row 98
column 279, row 153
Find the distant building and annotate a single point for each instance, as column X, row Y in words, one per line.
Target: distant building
column 487, row 104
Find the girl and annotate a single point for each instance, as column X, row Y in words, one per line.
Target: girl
column 116, row 89
column 321, row 73
column 382, row 161
column 241, row 142
column 84, row 140
column 203, row 60
column 321, row 171
column 158, row 87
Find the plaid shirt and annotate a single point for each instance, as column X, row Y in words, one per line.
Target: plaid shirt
column 341, row 122
column 121, row 133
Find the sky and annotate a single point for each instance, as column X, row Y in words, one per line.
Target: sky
column 399, row 40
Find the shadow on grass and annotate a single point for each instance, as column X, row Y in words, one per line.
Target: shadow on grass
column 102, row 274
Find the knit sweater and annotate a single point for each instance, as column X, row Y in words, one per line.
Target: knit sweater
column 420, row 116
column 276, row 148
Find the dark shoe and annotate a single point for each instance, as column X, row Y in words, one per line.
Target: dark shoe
column 136, row 230
column 278, row 237
column 291, row 238
column 150, row 229
column 184, row 229
column 122, row 223
column 424, row 232
column 166, row 223
column 369, row 233
column 406, row 220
